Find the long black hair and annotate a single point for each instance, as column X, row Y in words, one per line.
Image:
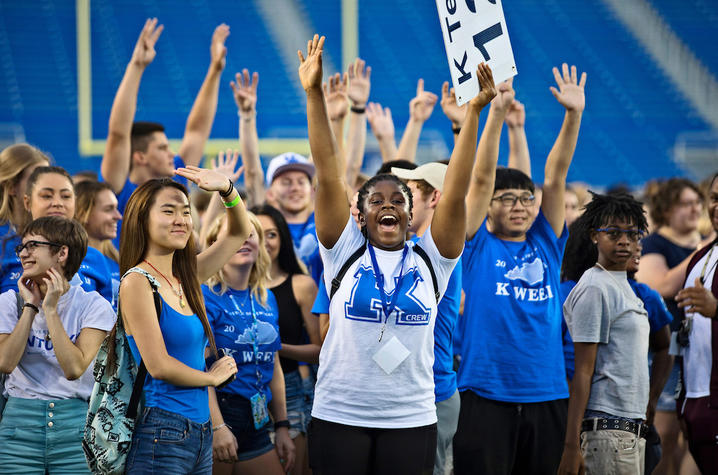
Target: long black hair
column 287, row 258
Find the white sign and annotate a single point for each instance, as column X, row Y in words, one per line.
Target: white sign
column 474, row 32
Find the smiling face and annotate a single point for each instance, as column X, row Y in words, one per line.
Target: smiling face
column 272, row 241
column 511, row 222
column 37, row 258
column 102, row 222
column 386, row 215
column 52, row 195
column 615, row 247
column 292, row 192
column 684, row 215
column 713, row 204
column 169, row 222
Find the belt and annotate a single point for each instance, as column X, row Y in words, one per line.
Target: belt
column 598, row 423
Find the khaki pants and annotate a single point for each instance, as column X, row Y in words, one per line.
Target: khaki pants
column 614, row 452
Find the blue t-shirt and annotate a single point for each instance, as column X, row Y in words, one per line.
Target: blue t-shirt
column 124, row 195
column 321, row 302
column 511, row 327
column 230, row 316
column 115, row 277
column 658, row 315
column 306, row 246
column 10, row 267
column 95, row 274
column 185, row 341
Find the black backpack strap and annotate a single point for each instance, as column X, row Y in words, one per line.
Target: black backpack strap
column 422, row 253
column 139, row 385
column 337, row 280
column 20, row 304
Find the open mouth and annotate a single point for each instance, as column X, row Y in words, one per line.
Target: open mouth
column 388, row 223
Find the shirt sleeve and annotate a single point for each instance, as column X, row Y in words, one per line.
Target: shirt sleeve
column 321, row 302
column 658, row 314
column 99, row 314
column 542, row 229
column 443, row 266
column 587, row 314
column 8, row 311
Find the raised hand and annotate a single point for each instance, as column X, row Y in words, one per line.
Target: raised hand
column 504, row 97
column 380, row 121
column 336, row 94
column 310, row 68
column 359, row 83
column 144, row 51
column 422, row 105
column 217, row 50
column 454, row 112
column 487, row 90
column 570, row 92
column 516, row 116
column 208, row 180
column 245, row 91
column 56, row 286
column 226, row 162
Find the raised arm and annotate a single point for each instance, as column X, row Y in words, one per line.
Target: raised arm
column 115, row 165
column 332, row 205
column 245, row 96
column 420, row 109
column 382, row 126
column 211, row 260
column 201, row 117
column 358, row 92
column 449, row 222
column 454, row 112
column 335, row 92
column 519, row 158
column 225, row 163
column 483, row 175
column 571, row 96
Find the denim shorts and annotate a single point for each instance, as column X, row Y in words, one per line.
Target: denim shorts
column 237, row 413
column 43, row 436
column 165, row 442
column 296, row 402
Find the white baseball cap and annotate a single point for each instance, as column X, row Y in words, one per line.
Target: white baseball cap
column 433, row 173
column 286, row 162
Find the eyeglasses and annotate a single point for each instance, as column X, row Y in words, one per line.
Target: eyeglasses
column 32, row 245
column 615, row 233
column 509, row 200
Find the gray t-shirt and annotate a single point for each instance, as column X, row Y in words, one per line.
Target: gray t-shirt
column 602, row 308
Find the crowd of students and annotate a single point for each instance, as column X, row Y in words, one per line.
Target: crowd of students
column 321, row 331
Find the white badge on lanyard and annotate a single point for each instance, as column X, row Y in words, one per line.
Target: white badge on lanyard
column 391, row 355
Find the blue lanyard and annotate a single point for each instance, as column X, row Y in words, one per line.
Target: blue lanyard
column 255, row 330
column 388, row 307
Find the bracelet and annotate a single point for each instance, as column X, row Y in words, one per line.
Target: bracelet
column 234, row 202
column 228, row 191
column 456, row 130
column 357, row 110
column 32, row 306
column 282, row 423
column 224, row 424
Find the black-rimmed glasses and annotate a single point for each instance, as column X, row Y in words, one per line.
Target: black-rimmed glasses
column 32, row 245
column 509, row 199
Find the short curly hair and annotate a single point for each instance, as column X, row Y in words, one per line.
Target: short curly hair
column 667, row 196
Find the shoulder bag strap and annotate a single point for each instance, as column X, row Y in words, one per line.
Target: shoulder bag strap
column 422, row 253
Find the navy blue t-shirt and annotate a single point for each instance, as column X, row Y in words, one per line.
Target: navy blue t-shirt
column 511, row 327
column 230, row 316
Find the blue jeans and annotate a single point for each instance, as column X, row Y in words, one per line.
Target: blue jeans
column 165, row 442
column 237, row 413
column 296, row 403
column 43, row 436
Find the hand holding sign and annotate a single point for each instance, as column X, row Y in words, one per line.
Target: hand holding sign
column 570, row 91
column 487, row 89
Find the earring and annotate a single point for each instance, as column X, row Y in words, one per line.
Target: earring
column 595, row 242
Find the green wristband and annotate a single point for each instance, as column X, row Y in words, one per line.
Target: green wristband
column 233, row 203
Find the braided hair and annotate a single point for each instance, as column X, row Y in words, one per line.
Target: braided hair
column 364, row 191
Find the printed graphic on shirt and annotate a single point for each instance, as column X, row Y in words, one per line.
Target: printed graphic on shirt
column 365, row 302
column 266, row 334
column 528, row 271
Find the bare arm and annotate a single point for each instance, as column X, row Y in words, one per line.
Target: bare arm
column 382, row 126
column 660, row 368
column 420, row 109
column 115, row 166
column 519, row 158
column 570, row 95
column 201, row 117
column 305, row 291
column 358, row 92
column 449, row 221
column 224, row 444
column 655, row 273
column 225, row 164
column 483, row 175
column 278, row 408
column 323, row 325
column 138, row 311
column 12, row 345
column 332, row 205
column 585, row 357
column 335, row 93
column 452, row 110
column 245, row 96
column 211, row 260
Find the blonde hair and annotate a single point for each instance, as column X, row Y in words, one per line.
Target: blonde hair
column 14, row 160
column 259, row 275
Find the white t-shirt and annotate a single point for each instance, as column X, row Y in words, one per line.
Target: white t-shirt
column 352, row 388
column 38, row 375
column 698, row 356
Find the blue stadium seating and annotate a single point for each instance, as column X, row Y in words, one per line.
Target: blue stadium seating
column 633, row 115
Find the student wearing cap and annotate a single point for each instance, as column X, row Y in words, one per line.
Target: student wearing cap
column 289, row 189
column 426, row 184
